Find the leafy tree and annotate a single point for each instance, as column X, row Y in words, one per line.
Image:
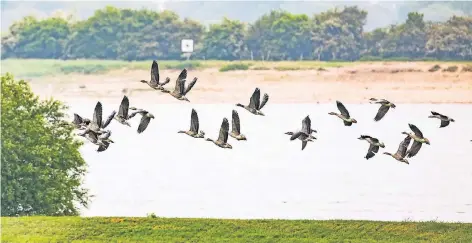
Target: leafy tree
column 128, row 34
column 37, row 39
column 280, row 35
column 224, row 41
column 408, row 39
column 42, row 168
column 338, row 34
column 451, row 40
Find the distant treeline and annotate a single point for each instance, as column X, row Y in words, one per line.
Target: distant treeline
column 338, row 34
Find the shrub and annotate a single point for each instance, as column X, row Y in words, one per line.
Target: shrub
column 467, row 68
column 42, row 167
column 451, row 69
column 434, row 68
column 234, row 66
column 260, row 68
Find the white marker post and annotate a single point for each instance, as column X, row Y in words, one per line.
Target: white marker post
column 187, row 47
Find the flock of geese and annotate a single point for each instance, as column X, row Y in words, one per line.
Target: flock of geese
column 94, row 130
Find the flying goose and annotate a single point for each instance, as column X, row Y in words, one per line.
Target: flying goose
column 401, row 152
column 385, row 106
column 223, row 137
column 92, row 136
column 97, row 124
column 180, row 91
column 145, row 118
column 236, row 127
column 418, row 138
column 344, row 114
column 255, row 105
column 154, row 82
column 445, row 120
column 122, row 115
column 194, row 125
column 374, row 145
column 304, row 134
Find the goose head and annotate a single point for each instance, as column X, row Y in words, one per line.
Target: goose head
column 353, row 120
column 426, row 141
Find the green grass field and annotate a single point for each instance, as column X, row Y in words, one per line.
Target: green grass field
column 43, row 67
column 99, row 229
column 25, row 68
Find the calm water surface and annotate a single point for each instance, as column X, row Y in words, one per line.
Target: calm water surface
column 268, row 176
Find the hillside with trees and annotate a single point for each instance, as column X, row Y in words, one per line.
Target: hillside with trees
column 336, row 34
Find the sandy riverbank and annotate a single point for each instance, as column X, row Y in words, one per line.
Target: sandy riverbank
column 400, row 82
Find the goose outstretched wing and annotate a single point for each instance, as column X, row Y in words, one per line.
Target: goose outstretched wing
column 182, row 86
column 236, row 126
column 190, row 86
column 194, row 124
column 223, row 136
column 265, row 98
column 438, row 114
column 342, row 109
column 166, row 81
column 444, row 123
column 416, row 130
column 97, row 114
column 306, row 125
column 381, row 113
column 110, row 117
column 182, row 76
column 255, row 99
column 77, row 119
column 144, row 123
column 154, row 73
column 104, row 147
column 403, row 146
column 124, row 107
column 304, row 143
column 415, row 147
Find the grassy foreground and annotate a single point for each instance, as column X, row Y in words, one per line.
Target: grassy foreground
column 100, row 229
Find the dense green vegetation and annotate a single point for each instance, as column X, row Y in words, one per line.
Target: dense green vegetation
column 338, row 34
column 42, row 167
column 76, row 229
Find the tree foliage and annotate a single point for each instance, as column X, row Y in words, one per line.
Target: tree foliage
column 337, row 34
column 42, row 168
